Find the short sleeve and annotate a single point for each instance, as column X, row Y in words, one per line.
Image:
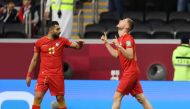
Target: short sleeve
column 66, row 42
column 37, row 47
column 129, row 43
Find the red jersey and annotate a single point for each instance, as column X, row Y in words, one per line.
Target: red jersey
column 51, row 52
column 128, row 66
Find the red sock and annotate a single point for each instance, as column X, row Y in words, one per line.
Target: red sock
column 35, row 107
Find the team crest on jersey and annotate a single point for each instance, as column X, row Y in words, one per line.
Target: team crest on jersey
column 128, row 43
column 57, row 44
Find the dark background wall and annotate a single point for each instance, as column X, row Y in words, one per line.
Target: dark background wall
column 150, row 5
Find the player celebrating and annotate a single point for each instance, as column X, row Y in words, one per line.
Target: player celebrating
column 50, row 50
column 125, row 50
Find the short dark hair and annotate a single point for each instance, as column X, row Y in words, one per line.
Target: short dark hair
column 9, row 1
column 185, row 40
column 51, row 24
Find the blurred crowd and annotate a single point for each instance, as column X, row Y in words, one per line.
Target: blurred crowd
column 16, row 11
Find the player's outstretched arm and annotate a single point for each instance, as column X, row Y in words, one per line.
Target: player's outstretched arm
column 31, row 68
column 111, row 50
column 78, row 44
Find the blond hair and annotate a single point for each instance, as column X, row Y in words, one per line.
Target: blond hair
column 130, row 22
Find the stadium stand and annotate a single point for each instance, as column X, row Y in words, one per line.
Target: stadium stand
column 155, row 18
column 14, row 30
column 108, row 19
column 138, row 17
column 141, row 32
column 181, row 17
column 178, row 24
column 1, row 30
column 148, row 25
column 129, row 5
column 182, row 31
column 94, row 31
column 112, row 32
column 153, row 14
column 163, row 32
column 150, row 5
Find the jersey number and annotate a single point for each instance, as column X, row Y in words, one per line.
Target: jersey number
column 51, row 50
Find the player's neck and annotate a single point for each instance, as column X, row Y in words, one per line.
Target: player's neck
column 126, row 33
column 49, row 36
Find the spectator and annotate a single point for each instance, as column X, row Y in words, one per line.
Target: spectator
column 17, row 2
column 1, row 9
column 181, row 61
column 2, row 3
column 116, row 6
column 8, row 13
column 24, row 11
column 183, row 5
column 62, row 11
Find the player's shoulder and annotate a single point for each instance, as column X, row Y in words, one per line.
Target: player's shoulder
column 129, row 40
column 63, row 39
column 129, row 37
column 40, row 40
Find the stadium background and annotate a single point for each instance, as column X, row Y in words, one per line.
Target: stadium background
column 88, row 84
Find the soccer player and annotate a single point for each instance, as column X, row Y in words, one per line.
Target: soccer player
column 125, row 51
column 50, row 49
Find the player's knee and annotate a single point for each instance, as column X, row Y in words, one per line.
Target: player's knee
column 117, row 98
column 38, row 99
column 141, row 99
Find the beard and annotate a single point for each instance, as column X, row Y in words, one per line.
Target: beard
column 55, row 36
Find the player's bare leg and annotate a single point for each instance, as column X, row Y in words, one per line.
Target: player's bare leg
column 117, row 100
column 61, row 102
column 38, row 96
column 143, row 100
